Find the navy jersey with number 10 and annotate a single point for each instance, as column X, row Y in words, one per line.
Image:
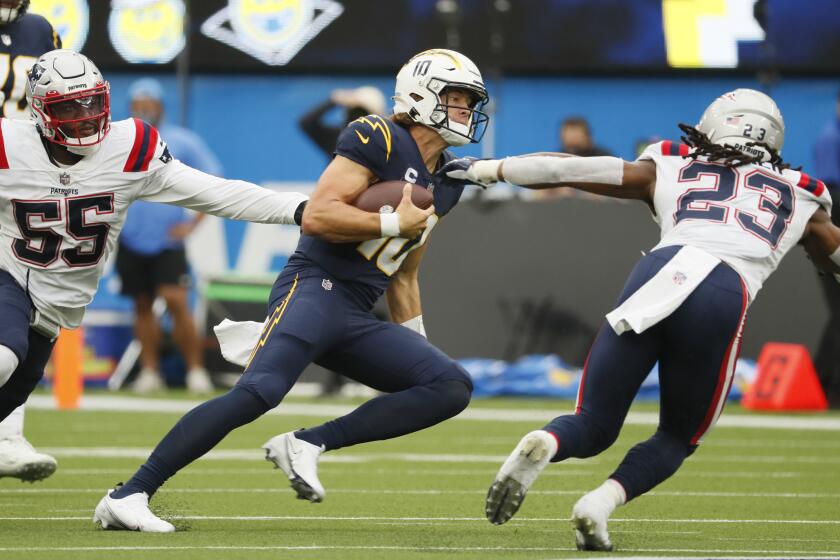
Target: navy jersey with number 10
column 389, row 151
column 21, row 43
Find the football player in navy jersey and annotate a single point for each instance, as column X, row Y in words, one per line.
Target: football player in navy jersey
column 23, row 38
column 320, row 306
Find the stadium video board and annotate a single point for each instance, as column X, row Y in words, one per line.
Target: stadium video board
column 515, row 36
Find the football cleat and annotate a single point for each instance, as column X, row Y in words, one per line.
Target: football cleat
column 589, row 518
column 131, row 513
column 299, row 460
column 517, row 474
column 19, row 459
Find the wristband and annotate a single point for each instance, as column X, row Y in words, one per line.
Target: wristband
column 389, row 224
column 416, row 324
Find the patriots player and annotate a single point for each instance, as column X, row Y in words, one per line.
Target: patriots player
column 67, row 177
column 729, row 209
column 320, row 306
column 23, row 38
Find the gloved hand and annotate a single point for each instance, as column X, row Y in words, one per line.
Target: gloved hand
column 481, row 172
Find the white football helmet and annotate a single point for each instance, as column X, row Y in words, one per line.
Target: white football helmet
column 69, row 101
column 420, row 83
column 742, row 116
column 12, row 11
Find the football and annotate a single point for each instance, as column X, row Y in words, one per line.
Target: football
column 384, row 197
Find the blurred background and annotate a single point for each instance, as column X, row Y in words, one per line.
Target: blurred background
column 508, row 275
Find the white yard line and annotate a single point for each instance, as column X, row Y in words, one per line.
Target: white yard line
column 799, row 555
column 133, row 404
column 559, row 471
column 434, row 492
column 342, row 457
column 518, row 520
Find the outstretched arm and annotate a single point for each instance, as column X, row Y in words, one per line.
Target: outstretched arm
column 179, row 184
column 822, row 242
column 604, row 175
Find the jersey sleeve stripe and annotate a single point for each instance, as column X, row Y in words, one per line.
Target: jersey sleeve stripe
column 670, row 148
column 4, row 163
column 135, row 149
column 149, row 148
column 145, row 142
column 814, row 186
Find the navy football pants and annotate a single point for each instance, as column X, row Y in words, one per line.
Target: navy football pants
column 32, row 349
column 314, row 318
column 696, row 346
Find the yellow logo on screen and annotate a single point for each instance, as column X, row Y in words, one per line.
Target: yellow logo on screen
column 272, row 31
column 269, row 23
column 69, row 18
column 147, row 31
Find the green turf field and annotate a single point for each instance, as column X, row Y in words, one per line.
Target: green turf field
column 755, row 492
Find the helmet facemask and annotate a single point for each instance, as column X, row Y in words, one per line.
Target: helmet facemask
column 79, row 120
column 11, row 11
column 69, row 101
column 456, row 133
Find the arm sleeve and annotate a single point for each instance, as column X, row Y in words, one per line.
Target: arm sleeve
column 367, row 141
column 181, row 185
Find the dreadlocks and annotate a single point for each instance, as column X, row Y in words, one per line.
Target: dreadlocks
column 731, row 156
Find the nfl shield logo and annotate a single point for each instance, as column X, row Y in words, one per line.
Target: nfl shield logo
column 679, row 278
column 64, row 178
column 326, row 284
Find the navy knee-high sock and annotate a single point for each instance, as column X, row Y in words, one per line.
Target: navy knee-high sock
column 651, row 462
column 393, row 415
column 194, row 435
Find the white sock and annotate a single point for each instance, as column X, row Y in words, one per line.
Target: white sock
column 12, row 425
column 611, row 492
column 553, row 443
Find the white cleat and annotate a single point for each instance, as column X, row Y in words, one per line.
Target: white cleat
column 198, row 381
column 517, row 474
column 147, row 381
column 299, row 460
column 131, row 513
column 589, row 518
column 19, row 459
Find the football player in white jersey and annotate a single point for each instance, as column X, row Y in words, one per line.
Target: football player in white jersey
column 67, row 178
column 729, row 209
column 25, row 37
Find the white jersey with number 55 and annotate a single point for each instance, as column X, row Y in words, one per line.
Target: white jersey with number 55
column 747, row 216
column 58, row 223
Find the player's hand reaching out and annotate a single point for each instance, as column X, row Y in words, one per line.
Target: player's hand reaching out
column 413, row 220
column 481, row 172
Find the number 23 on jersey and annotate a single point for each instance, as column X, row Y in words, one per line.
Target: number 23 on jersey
column 773, row 210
